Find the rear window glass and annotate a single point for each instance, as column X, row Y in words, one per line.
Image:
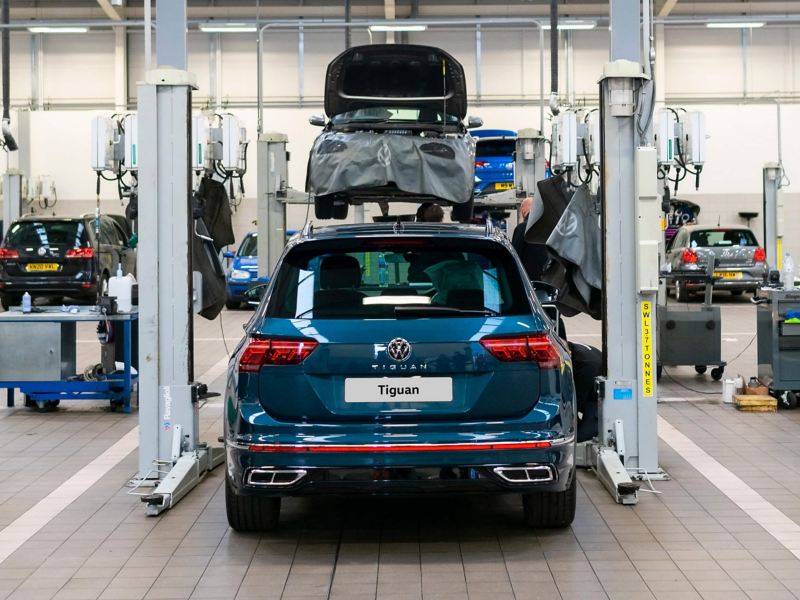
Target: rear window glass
column 68, row 234
column 382, row 279
column 723, row 237
column 491, row 148
column 249, row 246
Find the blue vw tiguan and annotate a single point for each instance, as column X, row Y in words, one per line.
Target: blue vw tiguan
column 388, row 359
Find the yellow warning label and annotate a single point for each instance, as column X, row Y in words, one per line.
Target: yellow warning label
column 648, row 368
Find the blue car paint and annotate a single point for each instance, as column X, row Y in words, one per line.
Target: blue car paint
column 316, row 413
column 236, row 288
column 490, row 170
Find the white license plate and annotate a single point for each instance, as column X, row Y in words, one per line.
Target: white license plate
column 398, row 389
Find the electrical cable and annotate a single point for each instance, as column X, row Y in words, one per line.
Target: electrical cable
column 743, row 349
column 222, row 331
column 686, row 387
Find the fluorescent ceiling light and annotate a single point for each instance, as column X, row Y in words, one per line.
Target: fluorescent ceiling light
column 374, row 28
column 735, row 25
column 232, row 28
column 58, row 29
column 572, row 25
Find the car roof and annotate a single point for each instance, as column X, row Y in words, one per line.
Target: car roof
column 493, row 133
column 400, row 229
column 49, row 218
column 715, row 227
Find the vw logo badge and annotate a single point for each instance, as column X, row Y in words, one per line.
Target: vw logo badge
column 399, row 349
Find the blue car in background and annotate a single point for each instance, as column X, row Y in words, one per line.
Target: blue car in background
column 494, row 160
column 243, row 271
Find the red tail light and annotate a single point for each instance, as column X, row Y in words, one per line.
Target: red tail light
column 760, row 255
column 689, row 257
column 479, row 164
column 266, row 351
column 80, row 253
column 524, row 348
column 7, row 253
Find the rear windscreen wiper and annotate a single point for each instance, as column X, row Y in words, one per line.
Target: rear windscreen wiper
column 411, row 311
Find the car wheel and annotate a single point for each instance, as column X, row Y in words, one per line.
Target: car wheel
column 737, row 292
column 232, row 304
column 251, row 513
column 462, row 213
column 787, row 400
column 104, row 284
column 700, row 369
column 340, row 210
column 323, row 208
column 681, row 293
column 550, row 510
column 9, row 300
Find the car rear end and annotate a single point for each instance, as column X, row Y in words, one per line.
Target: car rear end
column 364, row 374
column 739, row 262
column 494, row 160
column 47, row 257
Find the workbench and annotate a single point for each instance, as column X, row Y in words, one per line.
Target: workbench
column 38, row 357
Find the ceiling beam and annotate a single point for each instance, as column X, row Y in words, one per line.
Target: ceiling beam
column 667, row 8
column 110, row 11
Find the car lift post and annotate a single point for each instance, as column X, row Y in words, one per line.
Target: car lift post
column 271, row 209
column 171, row 456
column 628, row 438
column 773, row 214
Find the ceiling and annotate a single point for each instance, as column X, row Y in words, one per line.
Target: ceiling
column 292, row 9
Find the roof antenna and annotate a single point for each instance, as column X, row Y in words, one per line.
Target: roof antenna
column 718, row 220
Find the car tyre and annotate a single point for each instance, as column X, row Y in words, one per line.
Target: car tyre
column 462, row 213
column 681, row 293
column 788, row 400
column 550, row 510
column 323, row 208
column 8, row 300
column 340, row 210
column 737, row 292
column 232, row 304
column 251, row 513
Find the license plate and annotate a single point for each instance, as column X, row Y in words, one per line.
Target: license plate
column 42, row 267
column 398, row 389
column 504, row 186
column 728, row 274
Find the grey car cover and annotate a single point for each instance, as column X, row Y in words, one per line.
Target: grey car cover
column 440, row 167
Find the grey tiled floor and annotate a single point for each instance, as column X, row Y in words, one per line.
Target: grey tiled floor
column 687, row 541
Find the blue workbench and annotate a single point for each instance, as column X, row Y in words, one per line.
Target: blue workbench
column 37, row 356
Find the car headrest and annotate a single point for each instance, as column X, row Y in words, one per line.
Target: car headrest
column 339, row 272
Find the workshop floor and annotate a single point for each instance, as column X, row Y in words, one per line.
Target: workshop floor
column 726, row 526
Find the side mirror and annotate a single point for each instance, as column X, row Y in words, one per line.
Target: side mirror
column 545, row 292
column 473, row 122
column 317, row 120
column 255, row 294
column 228, row 254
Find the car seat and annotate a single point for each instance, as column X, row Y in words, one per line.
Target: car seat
column 339, row 276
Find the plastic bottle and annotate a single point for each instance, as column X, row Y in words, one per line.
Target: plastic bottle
column 383, row 273
column 787, row 272
column 122, row 287
column 26, row 302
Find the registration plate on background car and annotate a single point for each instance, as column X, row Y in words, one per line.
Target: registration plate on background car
column 728, row 274
column 42, row 267
column 504, row 185
column 398, row 389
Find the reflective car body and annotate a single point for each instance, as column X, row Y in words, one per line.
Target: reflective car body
column 739, row 262
column 494, row 160
column 242, row 273
column 386, row 361
column 62, row 256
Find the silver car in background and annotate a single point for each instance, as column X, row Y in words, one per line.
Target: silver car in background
column 739, row 262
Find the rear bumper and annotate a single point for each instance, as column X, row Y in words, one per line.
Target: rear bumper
column 728, row 284
column 47, row 288
column 405, row 472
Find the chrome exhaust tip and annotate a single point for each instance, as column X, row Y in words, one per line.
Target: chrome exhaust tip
column 266, row 477
column 526, row 474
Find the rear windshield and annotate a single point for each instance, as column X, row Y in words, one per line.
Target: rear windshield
column 68, row 234
column 491, row 148
column 249, row 246
column 382, row 279
column 723, row 237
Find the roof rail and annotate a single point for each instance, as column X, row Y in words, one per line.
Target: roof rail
column 308, row 230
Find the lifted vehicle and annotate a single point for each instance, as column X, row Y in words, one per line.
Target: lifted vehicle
column 62, row 256
column 395, row 132
column 494, row 160
column 386, row 360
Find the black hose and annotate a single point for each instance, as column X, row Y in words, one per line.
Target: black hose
column 554, row 47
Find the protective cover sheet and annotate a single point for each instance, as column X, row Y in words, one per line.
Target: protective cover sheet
column 346, row 162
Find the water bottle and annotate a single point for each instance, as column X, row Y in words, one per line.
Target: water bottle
column 26, row 302
column 383, row 273
column 787, row 272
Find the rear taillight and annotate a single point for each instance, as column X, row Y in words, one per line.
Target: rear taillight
column 480, row 164
column 266, row 351
column 760, row 255
column 8, row 254
column 689, row 257
column 536, row 348
column 80, row 253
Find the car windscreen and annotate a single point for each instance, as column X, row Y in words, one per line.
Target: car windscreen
column 38, row 234
column 491, row 148
column 717, row 238
column 249, row 246
column 400, row 278
column 390, row 114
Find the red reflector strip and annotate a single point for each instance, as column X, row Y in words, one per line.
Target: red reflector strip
column 397, row 447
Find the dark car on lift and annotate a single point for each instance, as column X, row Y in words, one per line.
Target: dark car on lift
column 389, row 360
column 62, row 257
column 395, row 132
column 739, row 263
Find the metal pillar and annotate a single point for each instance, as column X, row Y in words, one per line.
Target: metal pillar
column 529, row 167
column 170, row 454
column 271, row 211
column 773, row 214
column 12, row 197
